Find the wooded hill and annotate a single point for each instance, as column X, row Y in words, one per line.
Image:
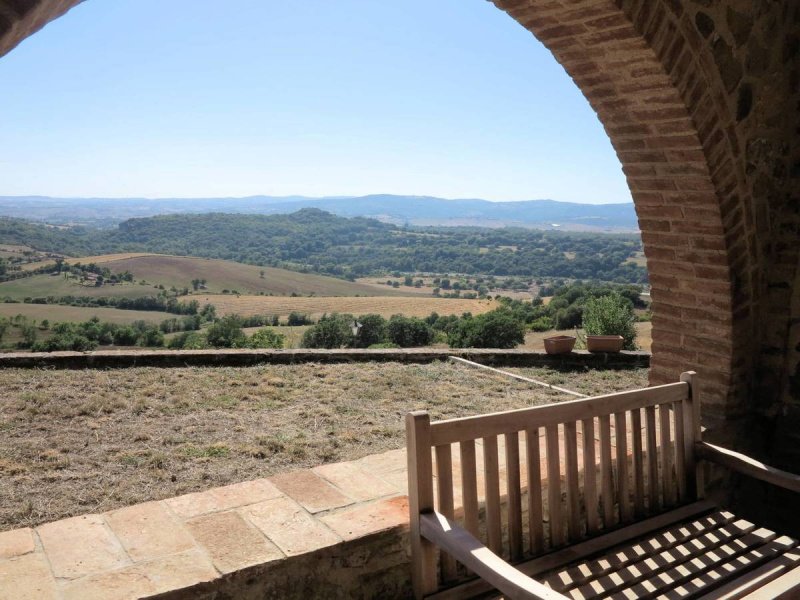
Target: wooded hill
column 314, row 240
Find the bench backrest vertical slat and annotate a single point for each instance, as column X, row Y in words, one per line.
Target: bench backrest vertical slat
column 491, row 468
column 638, row 463
column 469, row 487
column 514, row 496
column 535, row 512
column 572, row 481
column 653, row 502
column 444, row 488
column 589, row 475
column 623, row 478
column 691, row 432
column 420, row 500
column 680, row 453
column 667, row 455
column 554, row 487
column 606, row 472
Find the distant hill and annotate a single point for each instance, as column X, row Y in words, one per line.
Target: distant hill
column 316, row 241
column 399, row 210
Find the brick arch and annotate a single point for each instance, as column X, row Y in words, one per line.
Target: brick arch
column 663, row 96
column 663, row 101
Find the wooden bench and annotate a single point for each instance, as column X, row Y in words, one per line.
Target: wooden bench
column 598, row 497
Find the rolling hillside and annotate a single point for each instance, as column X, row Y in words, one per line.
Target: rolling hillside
column 179, row 271
column 228, row 275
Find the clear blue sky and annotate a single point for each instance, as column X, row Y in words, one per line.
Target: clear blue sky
column 431, row 97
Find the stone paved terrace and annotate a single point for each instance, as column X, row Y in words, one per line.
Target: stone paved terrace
column 335, row 531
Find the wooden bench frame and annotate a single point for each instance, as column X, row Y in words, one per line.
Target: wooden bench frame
column 667, row 496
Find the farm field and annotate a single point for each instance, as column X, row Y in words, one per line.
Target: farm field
column 56, row 312
column 85, row 260
column 316, row 306
column 54, row 285
column 75, row 442
column 179, row 271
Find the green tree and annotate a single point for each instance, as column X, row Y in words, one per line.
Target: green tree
column 227, row 333
column 331, row 331
column 495, row 329
column 372, row 331
column 409, row 332
column 611, row 315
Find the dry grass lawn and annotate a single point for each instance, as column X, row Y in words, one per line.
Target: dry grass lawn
column 74, row 442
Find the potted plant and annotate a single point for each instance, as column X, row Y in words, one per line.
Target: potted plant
column 604, row 343
column 608, row 322
column 559, row 344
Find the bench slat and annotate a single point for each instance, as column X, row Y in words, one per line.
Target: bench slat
column 494, row 529
column 667, row 453
column 444, row 488
column 469, row 486
column 573, row 484
column 623, row 482
column 514, row 496
column 638, row 463
column 535, row 512
column 606, row 472
column 554, row 486
column 756, row 578
column 680, row 453
column 653, row 503
column 589, row 475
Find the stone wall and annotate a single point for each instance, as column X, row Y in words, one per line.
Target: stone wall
column 243, row 358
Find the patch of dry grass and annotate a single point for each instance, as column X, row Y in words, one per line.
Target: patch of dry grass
column 73, row 442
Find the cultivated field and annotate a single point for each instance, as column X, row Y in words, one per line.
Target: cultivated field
column 179, row 271
column 55, row 313
column 317, row 306
column 85, row 260
column 74, row 442
column 56, row 285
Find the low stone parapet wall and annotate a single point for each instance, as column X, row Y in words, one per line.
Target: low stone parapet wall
column 116, row 359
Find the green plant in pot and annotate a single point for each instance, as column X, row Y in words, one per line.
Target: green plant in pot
column 609, row 324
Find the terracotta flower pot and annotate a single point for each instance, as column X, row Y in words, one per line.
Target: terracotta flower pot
column 604, row 343
column 559, row 344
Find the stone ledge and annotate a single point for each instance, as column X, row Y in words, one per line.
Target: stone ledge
column 336, row 531
column 110, row 359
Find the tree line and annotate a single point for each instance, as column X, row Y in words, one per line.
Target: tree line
column 316, row 241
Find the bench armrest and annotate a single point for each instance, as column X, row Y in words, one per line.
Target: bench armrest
column 748, row 466
column 470, row 552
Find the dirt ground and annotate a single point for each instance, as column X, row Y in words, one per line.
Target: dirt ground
column 74, row 442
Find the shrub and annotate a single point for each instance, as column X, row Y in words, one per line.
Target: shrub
column 372, row 331
column 266, row 338
column 189, row 340
column 610, row 315
column 542, row 324
column 298, row 319
column 227, row 333
column 495, row 329
column 408, row 332
column 334, row 331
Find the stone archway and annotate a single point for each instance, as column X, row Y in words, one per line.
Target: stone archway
column 699, row 99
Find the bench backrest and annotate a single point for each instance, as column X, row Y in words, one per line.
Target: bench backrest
column 518, row 480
